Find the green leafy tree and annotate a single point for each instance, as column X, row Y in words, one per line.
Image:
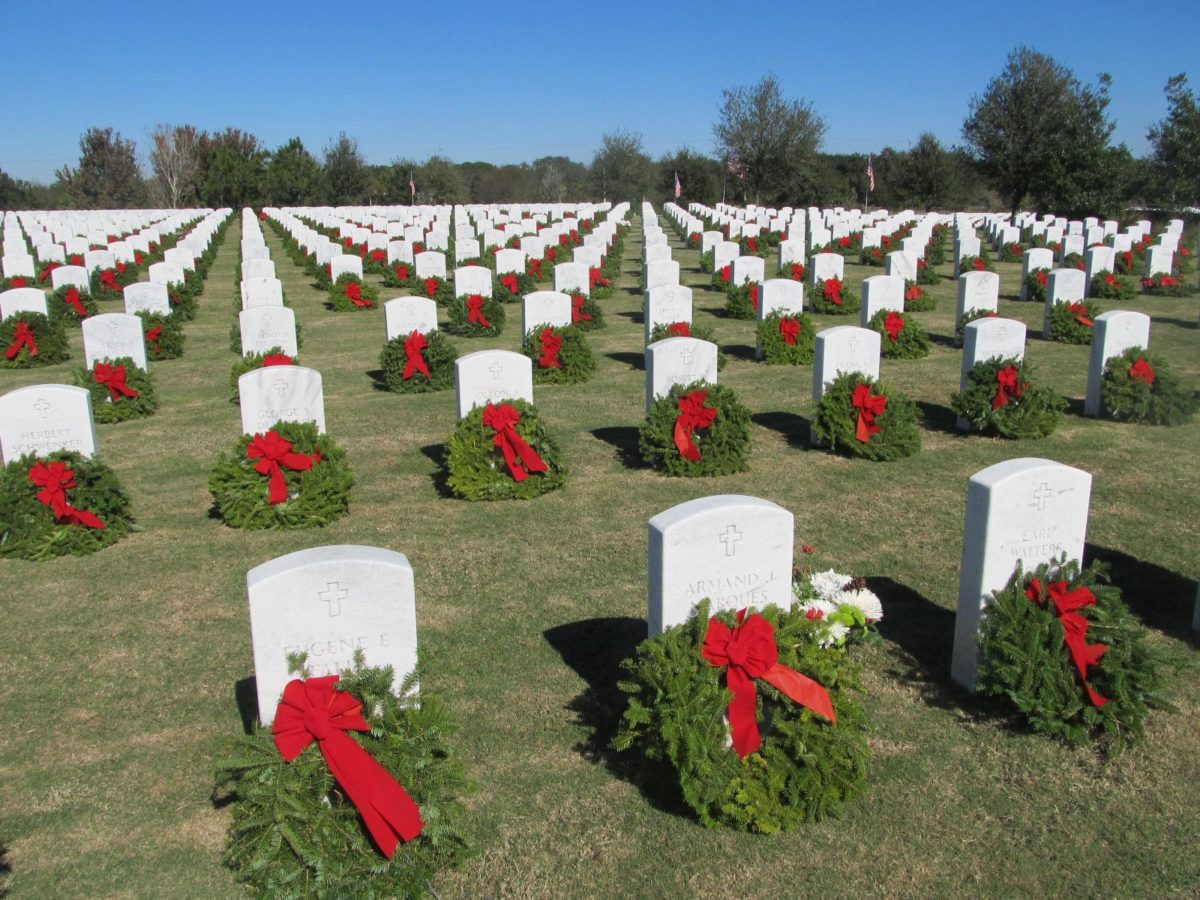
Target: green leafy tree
column 12, row 196
column 1176, row 142
column 621, row 170
column 345, row 173
column 440, row 181
column 699, row 177
column 766, row 139
column 1039, row 133
column 927, row 174
column 293, row 175
column 108, row 176
column 557, row 178
column 234, row 169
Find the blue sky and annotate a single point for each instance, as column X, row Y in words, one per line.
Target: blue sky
column 510, row 81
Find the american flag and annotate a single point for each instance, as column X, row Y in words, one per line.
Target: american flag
column 412, row 185
column 678, row 187
column 870, row 175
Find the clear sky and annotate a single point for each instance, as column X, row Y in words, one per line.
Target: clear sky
column 511, row 81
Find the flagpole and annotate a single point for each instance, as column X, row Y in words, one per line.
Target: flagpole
column 867, row 204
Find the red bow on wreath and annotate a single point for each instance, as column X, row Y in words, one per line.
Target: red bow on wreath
column 789, row 327
column 55, row 479
column 113, row 378
column 749, row 651
column 354, row 295
column 832, row 288
column 431, row 287
column 475, row 311
column 1009, row 386
column 520, row 458
column 693, row 414
column 1075, row 627
column 273, row 451
column 511, row 282
column 402, row 272
column 595, row 279
column 577, row 313
column 1079, row 311
column 75, row 301
column 378, row 255
column 108, row 278
column 414, row 357
column 868, row 407
column 680, row 329
column 277, row 359
column 752, row 290
column 893, row 324
column 23, row 337
column 726, row 273
column 535, row 268
column 551, row 344
column 18, row 281
column 312, row 710
column 153, row 336
column 797, row 272
column 1142, row 371
column 45, row 273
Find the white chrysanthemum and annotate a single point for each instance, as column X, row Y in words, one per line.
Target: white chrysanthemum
column 828, row 583
column 818, row 609
column 835, row 635
column 862, row 599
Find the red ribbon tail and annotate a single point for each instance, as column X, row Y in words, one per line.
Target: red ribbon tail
column 802, row 689
column 389, row 812
column 278, row 484
column 862, row 432
column 742, row 720
column 683, row 441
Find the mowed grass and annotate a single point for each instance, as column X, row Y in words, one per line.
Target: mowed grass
column 119, row 670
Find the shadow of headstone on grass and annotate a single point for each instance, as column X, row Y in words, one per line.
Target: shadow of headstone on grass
column 625, row 439
column 791, row 426
column 1162, row 599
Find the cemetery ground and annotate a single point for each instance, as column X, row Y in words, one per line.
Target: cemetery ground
column 122, row 672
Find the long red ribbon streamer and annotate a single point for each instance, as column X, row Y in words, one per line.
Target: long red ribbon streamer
column 551, row 344
column 55, row 479
column 273, row 451
column 520, row 458
column 23, row 337
column 1075, row 627
column 475, row 311
column 693, row 414
column 868, row 407
column 789, row 327
column 414, row 356
column 113, row 378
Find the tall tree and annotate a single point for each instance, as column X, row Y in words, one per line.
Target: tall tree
column 699, row 177
column 928, row 174
column 766, row 139
column 345, row 173
column 440, row 181
column 293, row 176
column 621, row 170
column 1176, row 142
column 108, row 176
column 234, row 169
column 175, row 158
column 1037, row 132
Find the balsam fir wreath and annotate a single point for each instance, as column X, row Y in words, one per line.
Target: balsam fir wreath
column 119, row 389
column 599, row 286
column 560, row 355
column 351, row 294
column 799, row 751
column 795, row 271
column 1011, row 253
column 1071, row 322
column 103, row 285
column 832, row 297
column 960, row 326
column 917, row 299
column 788, row 339
column 697, row 429
column 1073, row 261
column 926, row 274
column 1036, row 284
column 502, row 452
column 184, row 300
column 902, row 336
column 297, row 829
column 696, row 330
column 1138, row 387
column 971, row 263
column 417, row 363
column 1163, row 285
column 586, row 313
column 30, row 340
column 71, row 304
column 434, row 287
column 1034, row 651
column 512, row 286
column 398, row 275
column 475, row 316
column 741, row 300
column 58, row 504
column 273, row 357
column 164, row 336
column 288, row 477
column 1000, row 399
column 859, row 416
column 1107, row 286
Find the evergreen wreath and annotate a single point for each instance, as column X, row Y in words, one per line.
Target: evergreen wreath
column 891, row 434
column 832, row 297
column 22, row 332
column 960, row 326
column 1163, row 285
column 917, row 299
column 164, row 336
column 1140, row 387
column 901, row 336
column 436, row 289
column 71, row 304
column 398, row 274
column 183, row 300
column 252, row 361
column 586, row 314
column 1021, row 410
column 30, row 529
column 475, row 468
column 485, row 321
column 1109, row 286
column 1036, row 284
column 296, row 833
column 806, row 769
column 576, row 361
column 316, row 496
column 741, row 300
column 103, row 285
column 972, row 263
column 1071, row 322
column 439, row 354
column 601, row 283
column 502, row 286
column 723, row 444
column 1073, row 261
column 775, row 346
column 115, row 405
column 1011, row 253
column 1025, row 658
column 925, row 271
column 350, row 288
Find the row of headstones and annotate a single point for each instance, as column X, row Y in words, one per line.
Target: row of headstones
column 1090, row 231
column 263, row 321
column 735, row 551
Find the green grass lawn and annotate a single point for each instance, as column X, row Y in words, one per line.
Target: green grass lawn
column 119, row 670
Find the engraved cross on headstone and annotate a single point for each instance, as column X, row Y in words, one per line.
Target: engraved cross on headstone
column 687, row 356
column 281, row 386
column 730, row 538
column 112, row 327
column 42, row 406
column 334, row 594
column 497, row 370
column 853, row 343
column 1043, row 493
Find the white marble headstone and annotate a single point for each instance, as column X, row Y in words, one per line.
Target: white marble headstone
column 824, row 266
column 840, row 350
column 782, row 295
column 545, row 308
column 43, row 418
column 572, row 277
column 262, row 292
column 977, row 290
column 1113, row 333
column 678, row 360
column 492, row 376
column 146, row 296
column 404, row 315
column 281, row 393
column 1066, row 286
column 70, row 276
column 510, row 261
column 430, row 264
column 345, row 264
column 18, row 300
column 881, row 292
column 264, row 327
column 114, row 335
column 989, row 338
column 665, row 305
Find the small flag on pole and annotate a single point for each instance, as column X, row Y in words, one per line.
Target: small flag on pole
column 870, row 175
column 412, row 185
column 678, row 187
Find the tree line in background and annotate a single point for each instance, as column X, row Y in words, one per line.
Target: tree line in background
column 1035, row 137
